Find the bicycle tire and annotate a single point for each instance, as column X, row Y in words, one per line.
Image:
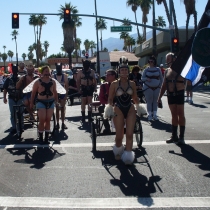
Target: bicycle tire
column 138, row 132
column 93, row 136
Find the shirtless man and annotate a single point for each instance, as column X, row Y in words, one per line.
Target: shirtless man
column 86, row 85
column 63, row 80
column 22, row 83
column 175, row 86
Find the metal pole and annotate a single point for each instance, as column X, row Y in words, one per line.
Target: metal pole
column 171, row 23
column 154, row 50
column 98, row 59
column 16, row 51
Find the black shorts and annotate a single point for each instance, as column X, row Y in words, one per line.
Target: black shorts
column 87, row 91
column 176, row 99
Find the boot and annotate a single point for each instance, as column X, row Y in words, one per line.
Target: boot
column 90, row 119
column 46, row 137
column 174, row 137
column 181, row 135
column 83, row 116
column 41, row 137
column 107, row 126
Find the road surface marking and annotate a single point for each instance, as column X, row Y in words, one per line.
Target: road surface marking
column 80, row 145
column 147, row 202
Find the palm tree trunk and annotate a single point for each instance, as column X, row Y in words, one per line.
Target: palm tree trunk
column 70, row 60
column 167, row 10
column 101, row 41
column 175, row 20
column 187, row 24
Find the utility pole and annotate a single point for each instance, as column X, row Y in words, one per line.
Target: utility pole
column 154, row 50
column 98, row 59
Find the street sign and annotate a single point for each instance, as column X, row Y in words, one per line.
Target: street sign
column 121, row 28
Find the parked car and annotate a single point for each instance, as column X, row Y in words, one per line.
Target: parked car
column 65, row 71
column 1, row 83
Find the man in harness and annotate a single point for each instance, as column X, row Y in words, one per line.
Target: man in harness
column 175, row 86
column 86, row 85
column 63, row 80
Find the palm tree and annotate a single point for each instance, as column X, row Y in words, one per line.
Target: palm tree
column 83, row 52
column 78, row 23
column 46, row 45
column 87, row 45
column 166, row 8
column 145, row 7
column 14, row 35
column 10, row 54
column 140, row 40
column 134, row 5
column 78, row 43
column 124, row 36
column 33, row 21
column 92, row 46
column 31, row 48
column 24, row 56
column 190, row 10
column 160, row 22
column 4, row 48
column 4, row 58
column 68, row 30
column 63, row 50
column 126, row 22
column 101, row 25
column 105, row 49
column 30, row 56
column 0, row 56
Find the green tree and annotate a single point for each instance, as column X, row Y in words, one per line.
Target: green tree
column 92, row 46
column 10, row 54
column 134, row 6
column 68, row 30
column 78, row 44
column 31, row 48
column 160, row 22
column 4, row 58
column 30, row 56
column 101, row 25
column 105, row 49
column 124, row 36
column 190, row 10
column 46, row 46
column 126, row 22
column 140, row 39
column 4, row 48
column 24, row 56
column 87, row 45
column 14, row 35
column 0, row 56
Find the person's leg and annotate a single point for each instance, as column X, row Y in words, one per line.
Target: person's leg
column 119, row 127
column 41, row 126
column 49, row 113
column 57, row 114
column 89, row 101
column 63, row 112
column 181, row 122
column 155, row 103
column 149, row 98
column 11, row 103
column 83, row 103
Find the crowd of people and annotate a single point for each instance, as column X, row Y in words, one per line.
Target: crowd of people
column 120, row 97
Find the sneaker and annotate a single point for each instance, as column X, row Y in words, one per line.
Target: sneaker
column 149, row 118
column 64, row 126
column 172, row 140
column 181, row 141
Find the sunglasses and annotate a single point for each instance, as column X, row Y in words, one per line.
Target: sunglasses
column 150, row 61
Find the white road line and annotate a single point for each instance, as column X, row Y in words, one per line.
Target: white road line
column 122, row 203
column 80, row 145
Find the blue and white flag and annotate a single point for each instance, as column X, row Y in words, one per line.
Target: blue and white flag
column 192, row 61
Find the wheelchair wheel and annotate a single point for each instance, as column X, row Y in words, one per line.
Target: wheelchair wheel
column 17, row 118
column 138, row 132
column 52, row 124
column 93, row 136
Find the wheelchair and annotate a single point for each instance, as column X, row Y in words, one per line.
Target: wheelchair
column 97, row 126
column 20, row 111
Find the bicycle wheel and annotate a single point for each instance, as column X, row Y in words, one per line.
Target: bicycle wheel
column 52, row 124
column 17, row 118
column 93, row 136
column 138, row 132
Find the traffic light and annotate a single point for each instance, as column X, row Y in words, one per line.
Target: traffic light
column 175, row 45
column 67, row 15
column 15, row 20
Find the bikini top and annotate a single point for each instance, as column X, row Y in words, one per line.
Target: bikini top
column 47, row 92
column 120, row 91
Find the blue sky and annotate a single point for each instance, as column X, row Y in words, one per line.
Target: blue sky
column 52, row 32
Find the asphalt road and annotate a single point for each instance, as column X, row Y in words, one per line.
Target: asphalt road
column 68, row 175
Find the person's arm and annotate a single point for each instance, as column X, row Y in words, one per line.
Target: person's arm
column 161, row 76
column 134, row 96
column 5, row 96
column 19, row 84
column 33, row 94
column 162, row 90
column 66, row 84
column 55, row 93
column 5, row 86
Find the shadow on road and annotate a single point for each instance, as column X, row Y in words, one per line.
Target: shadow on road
column 199, row 106
column 131, row 182
column 58, row 136
column 194, row 156
column 36, row 157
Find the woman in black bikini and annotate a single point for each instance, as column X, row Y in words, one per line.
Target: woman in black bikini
column 122, row 91
column 46, row 98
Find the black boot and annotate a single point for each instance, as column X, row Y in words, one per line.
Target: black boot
column 107, row 126
column 41, row 138
column 174, row 137
column 181, row 135
column 83, row 116
column 46, row 141
column 90, row 119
